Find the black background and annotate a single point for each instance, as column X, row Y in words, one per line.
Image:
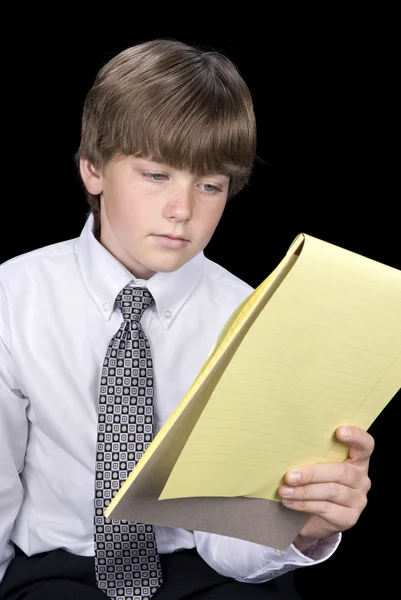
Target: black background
column 328, row 128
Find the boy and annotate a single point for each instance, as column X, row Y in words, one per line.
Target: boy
column 168, row 135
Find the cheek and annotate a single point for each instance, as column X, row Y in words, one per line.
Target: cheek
column 122, row 204
column 214, row 216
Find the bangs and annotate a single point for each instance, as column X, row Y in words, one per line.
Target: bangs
column 205, row 147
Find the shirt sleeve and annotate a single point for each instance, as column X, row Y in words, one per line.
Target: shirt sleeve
column 253, row 563
column 13, row 439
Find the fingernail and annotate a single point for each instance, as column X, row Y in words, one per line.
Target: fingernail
column 345, row 432
column 294, row 477
column 287, row 491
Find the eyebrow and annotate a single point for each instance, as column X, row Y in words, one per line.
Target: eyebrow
column 139, row 159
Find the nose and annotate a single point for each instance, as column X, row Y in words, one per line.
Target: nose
column 180, row 203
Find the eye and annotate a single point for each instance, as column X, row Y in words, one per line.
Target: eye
column 208, row 187
column 155, row 176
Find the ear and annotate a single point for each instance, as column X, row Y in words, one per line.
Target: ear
column 91, row 176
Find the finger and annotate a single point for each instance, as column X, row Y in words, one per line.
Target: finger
column 360, row 442
column 330, row 492
column 345, row 473
column 339, row 516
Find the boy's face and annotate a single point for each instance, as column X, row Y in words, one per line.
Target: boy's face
column 143, row 203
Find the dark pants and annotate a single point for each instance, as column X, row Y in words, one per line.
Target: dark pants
column 60, row 575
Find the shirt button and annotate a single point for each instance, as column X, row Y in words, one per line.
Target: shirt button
column 105, row 307
column 168, row 314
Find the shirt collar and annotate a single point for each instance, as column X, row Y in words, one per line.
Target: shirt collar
column 105, row 277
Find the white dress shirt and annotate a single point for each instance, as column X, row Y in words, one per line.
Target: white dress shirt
column 57, row 316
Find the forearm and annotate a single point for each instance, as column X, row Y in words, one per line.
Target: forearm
column 253, row 563
column 10, row 501
column 305, row 544
column 13, row 439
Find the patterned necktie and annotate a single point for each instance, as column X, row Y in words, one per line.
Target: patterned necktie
column 126, row 560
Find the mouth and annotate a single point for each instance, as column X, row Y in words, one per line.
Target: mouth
column 172, row 237
column 170, row 241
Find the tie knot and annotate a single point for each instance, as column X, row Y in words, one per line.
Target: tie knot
column 133, row 302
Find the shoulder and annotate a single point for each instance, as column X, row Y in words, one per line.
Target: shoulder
column 37, row 264
column 224, row 285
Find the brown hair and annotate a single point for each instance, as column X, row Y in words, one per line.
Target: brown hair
column 174, row 104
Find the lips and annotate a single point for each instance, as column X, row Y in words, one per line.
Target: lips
column 173, row 237
column 167, row 241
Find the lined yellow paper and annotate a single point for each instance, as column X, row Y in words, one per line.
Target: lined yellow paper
column 325, row 351
column 315, row 346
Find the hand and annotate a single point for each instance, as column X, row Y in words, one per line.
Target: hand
column 334, row 494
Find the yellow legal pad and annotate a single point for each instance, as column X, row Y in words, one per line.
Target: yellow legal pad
column 315, row 346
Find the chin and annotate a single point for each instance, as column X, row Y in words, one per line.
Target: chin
column 168, row 266
column 163, row 268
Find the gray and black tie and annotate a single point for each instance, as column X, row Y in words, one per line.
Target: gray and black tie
column 127, row 563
